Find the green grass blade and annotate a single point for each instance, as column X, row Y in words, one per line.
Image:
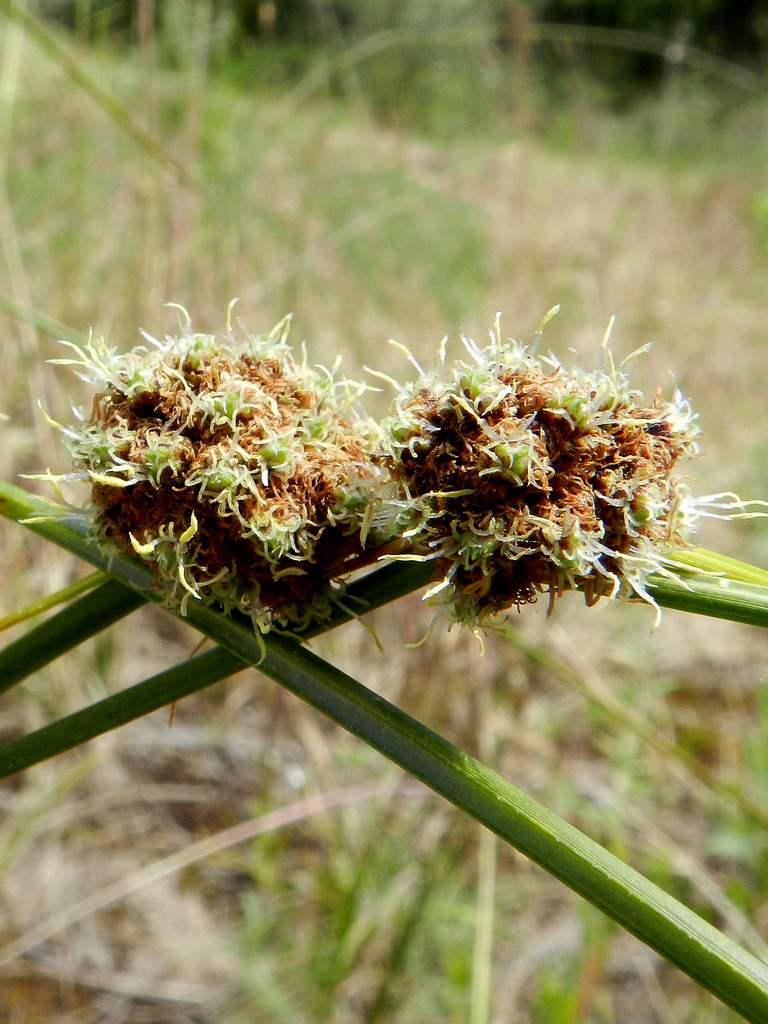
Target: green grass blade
column 118, row 114
column 41, row 321
column 61, row 632
column 111, row 602
column 384, row 585
column 713, row 561
column 123, row 707
column 95, row 612
column 733, row 975
column 44, row 604
column 660, row 921
column 739, row 602
column 681, row 936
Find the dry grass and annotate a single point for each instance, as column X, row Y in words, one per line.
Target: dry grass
column 368, row 911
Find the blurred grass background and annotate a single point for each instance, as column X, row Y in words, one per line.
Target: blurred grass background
column 385, row 170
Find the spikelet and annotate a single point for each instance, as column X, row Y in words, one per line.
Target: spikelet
column 244, row 478
column 520, row 476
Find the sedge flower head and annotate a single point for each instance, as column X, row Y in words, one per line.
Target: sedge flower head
column 242, row 476
column 519, row 476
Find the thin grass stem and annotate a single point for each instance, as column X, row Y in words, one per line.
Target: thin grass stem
column 41, row 321
column 697, row 777
column 45, row 604
column 733, row 975
column 119, row 709
column 714, row 562
column 77, row 74
column 720, row 599
column 84, row 618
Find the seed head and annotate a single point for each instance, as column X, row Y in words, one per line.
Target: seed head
column 519, row 476
column 243, row 477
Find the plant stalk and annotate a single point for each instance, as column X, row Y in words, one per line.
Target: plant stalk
column 733, row 975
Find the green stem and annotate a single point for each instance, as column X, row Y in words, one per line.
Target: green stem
column 44, row 604
column 732, row 974
column 649, row 913
column 41, row 321
column 77, row 74
column 657, row 919
column 68, row 628
column 113, row 601
column 101, row 609
column 714, row 562
column 119, row 709
column 720, row 599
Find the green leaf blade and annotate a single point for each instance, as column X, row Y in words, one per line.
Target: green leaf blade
column 736, row 977
column 119, row 709
column 720, row 599
column 93, row 612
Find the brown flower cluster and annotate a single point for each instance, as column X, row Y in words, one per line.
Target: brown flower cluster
column 524, row 477
column 242, row 477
